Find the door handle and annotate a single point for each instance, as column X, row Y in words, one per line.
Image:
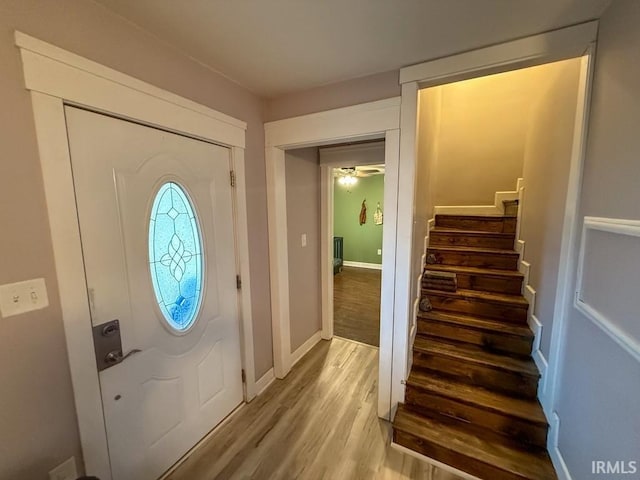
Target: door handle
column 116, row 356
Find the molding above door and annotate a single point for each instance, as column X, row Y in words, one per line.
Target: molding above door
column 561, row 44
column 54, row 78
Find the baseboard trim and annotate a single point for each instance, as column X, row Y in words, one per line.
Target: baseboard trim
column 303, row 349
column 435, row 463
column 497, row 209
column 264, row 381
column 372, row 266
column 554, row 451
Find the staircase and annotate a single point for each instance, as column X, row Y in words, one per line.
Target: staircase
column 471, row 396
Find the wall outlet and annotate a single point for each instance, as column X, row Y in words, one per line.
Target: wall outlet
column 65, row 471
column 303, row 239
column 379, row 251
column 21, row 297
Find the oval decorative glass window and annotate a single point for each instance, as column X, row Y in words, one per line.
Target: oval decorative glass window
column 175, row 256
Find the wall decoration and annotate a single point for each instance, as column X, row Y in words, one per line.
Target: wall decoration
column 377, row 216
column 363, row 212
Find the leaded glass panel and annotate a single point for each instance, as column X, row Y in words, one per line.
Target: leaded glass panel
column 175, row 256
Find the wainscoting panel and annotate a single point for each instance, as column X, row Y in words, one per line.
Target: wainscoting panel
column 608, row 279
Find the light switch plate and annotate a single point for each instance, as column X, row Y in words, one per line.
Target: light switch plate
column 21, row 297
column 303, row 239
column 65, row 471
column 379, row 251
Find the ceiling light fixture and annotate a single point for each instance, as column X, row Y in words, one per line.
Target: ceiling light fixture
column 347, row 180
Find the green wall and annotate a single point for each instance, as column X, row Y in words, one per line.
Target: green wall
column 361, row 242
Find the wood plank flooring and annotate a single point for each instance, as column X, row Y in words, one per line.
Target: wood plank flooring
column 356, row 305
column 318, row 423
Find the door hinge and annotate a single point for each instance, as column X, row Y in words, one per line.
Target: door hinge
column 238, row 282
column 232, row 177
column 244, row 376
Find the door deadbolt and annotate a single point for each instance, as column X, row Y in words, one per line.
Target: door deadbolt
column 110, row 329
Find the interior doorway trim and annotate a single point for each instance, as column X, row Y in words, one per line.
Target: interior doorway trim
column 577, row 41
column 54, row 78
column 380, row 119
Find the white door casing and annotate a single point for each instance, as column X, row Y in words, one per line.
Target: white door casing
column 161, row 401
column 56, row 77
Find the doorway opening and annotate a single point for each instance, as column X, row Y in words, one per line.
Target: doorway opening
column 352, row 202
column 357, row 227
column 477, row 139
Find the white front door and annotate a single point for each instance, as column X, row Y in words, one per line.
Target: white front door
column 156, row 220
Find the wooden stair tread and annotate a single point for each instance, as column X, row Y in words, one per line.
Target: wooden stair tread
column 529, row 410
column 479, row 250
column 490, row 297
column 479, row 323
column 473, row 354
column 492, row 272
column 524, row 464
column 473, row 233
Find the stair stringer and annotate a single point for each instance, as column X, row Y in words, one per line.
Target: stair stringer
column 413, row 329
column 529, row 294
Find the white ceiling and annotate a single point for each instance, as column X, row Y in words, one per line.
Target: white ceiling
column 273, row 47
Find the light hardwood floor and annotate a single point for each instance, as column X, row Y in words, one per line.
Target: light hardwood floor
column 318, row 423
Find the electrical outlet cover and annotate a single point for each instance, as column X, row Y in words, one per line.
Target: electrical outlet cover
column 21, row 297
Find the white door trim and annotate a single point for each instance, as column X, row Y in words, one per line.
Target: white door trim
column 56, row 77
column 571, row 42
column 326, row 249
column 370, row 120
column 568, row 261
column 561, row 44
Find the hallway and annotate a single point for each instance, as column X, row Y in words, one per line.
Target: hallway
column 318, row 423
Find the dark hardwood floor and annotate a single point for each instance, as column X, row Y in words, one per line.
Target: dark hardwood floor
column 356, row 305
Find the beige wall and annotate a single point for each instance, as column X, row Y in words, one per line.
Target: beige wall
column 600, row 383
column 37, row 418
column 546, row 177
column 302, row 177
column 479, row 147
column 337, row 95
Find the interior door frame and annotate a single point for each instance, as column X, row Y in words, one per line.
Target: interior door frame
column 55, row 78
column 577, row 41
column 373, row 120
